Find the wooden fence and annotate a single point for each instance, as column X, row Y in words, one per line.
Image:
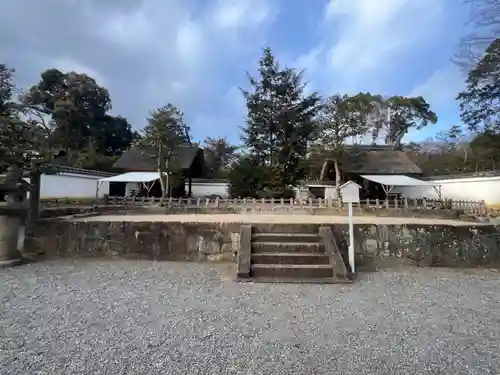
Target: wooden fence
column 278, row 205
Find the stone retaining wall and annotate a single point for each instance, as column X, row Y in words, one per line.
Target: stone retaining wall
column 376, row 245
column 149, row 240
column 430, row 245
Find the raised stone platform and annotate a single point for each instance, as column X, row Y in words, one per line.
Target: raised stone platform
column 380, row 241
column 274, row 219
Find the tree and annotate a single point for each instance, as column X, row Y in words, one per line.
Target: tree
column 484, row 22
column 480, row 101
column 485, row 150
column 404, row 113
column 17, row 137
column 342, row 117
column 455, row 151
column 219, row 154
column 70, row 110
column 247, row 178
column 111, row 135
column 74, row 102
column 164, row 132
column 280, row 122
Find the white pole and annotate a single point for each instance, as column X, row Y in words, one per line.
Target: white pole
column 351, row 239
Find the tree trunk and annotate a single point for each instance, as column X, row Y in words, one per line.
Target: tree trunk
column 324, row 168
column 167, row 182
column 34, row 199
column 161, row 164
column 337, row 177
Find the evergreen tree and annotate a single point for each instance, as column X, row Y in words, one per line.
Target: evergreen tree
column 480, row 101
column 280, row 123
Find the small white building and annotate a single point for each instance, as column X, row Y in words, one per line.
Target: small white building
column 128, row 182
column 473, row 187
column 202, row 187
column 71, row 182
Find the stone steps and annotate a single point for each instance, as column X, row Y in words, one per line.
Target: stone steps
column 290, row 258
column 286, row 237
column 292, row 271
column 287, row 247
column 299, row 253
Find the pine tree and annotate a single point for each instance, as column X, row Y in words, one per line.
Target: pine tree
column 280, row 123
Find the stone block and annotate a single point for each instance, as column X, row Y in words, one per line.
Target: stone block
column 244, row 253
column 332, row 250
column 208, row 246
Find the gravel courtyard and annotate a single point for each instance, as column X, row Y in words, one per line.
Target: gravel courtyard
column 129, row 317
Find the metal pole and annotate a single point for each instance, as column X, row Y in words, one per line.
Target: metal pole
column 351, row 239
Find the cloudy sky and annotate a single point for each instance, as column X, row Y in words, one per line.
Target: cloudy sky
column 194, row 53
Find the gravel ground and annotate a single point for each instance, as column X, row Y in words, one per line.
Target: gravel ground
column 128, row 317
column 276, row 218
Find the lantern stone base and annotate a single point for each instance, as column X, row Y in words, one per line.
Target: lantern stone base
column 9, row 233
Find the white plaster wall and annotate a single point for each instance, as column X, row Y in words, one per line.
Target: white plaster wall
column 71, row 185
column 330, row 192
column 301, row 193
column 211, row 188
column 197, row 189
column 474, row 188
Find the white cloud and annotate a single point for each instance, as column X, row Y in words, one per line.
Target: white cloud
column 364, row 38
column 66, row 65
column 190, row 43
column 241, row 14
column 441, row 88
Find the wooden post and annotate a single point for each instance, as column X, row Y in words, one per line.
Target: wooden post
column 35, row 183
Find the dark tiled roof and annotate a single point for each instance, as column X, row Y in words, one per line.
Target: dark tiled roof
column 136, row 160
column 381, row 161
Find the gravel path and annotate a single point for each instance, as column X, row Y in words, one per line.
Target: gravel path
column 127, row 317
column 271, row 218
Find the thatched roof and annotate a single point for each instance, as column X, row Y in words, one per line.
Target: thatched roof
column 135, row 160
column 379, row 161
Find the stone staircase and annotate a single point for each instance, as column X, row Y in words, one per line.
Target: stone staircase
column 289, row 253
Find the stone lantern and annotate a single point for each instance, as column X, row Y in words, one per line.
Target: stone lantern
column 13, row 211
